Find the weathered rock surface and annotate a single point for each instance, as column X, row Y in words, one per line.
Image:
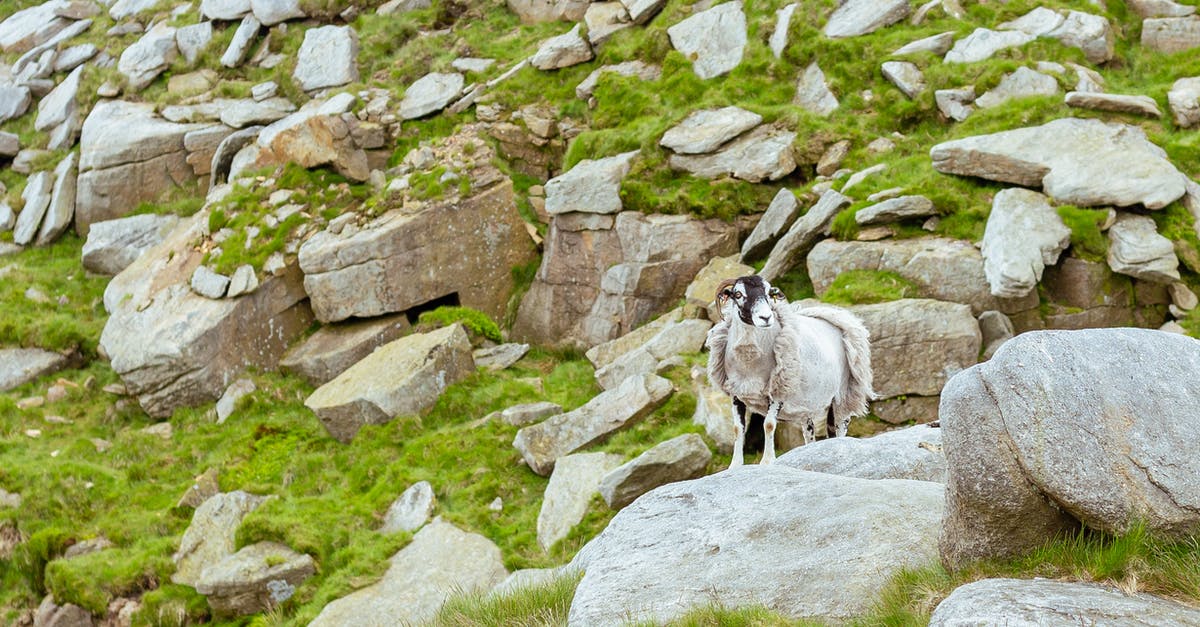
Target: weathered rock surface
column 315, row 135
column 61, row 210
column 640, row 11
column 500, row 356
column 895, row 210
column 51, row 614
column 1090, row 33
column 1084, row 294
column 1024, row 234
column 780, row 215
column 440, row 561
column 1083, row 162
column 1069, row 427
column 528, row 413
column 36, row 197
column 1117, row 103
column 907, row 77
column 1161, row 8
column 762, row 154
column 678, row 459
column 937, row 44
column 149, row 56
column 572, row 485
column 675, row 338
column 411, row 510
column 227, row 10
column 1049, row 602
column 982, row 43
column 804, row 233
column 210, row 537
column 707, row 130
column 859, row 17
column 14, row 101
column 335, row 347
column 779, row 36
column 55, row 107
column 246, row 582
column 713, row 39
column 209, row 283
column 1135, row 248
column 328, row 57
column 19, row 366
column 32, row 26
column 603, row 19
column 592, row 186
column 235, row 392
column 193, row 39
column 1021, row 83
column 1171, row 34
column 955, row 104
column 542, row 444
column 996, row 329
column 431, row 93
column 813, row 92
column 272, row 12
column 911, row 453
column 549, row 10
column 1184, row 99
column 918, row 344
column 239, row 46
column 114, row 244
column 402, row 377
column 562, row 51
column 715, row 540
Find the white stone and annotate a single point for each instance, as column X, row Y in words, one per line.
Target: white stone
column 1019, row 84
column 411, row 510
column 563, row 51
column 239, row 47
column 905, row 76
column 1136, row 248
column 982, row 43
column 1024, row 234
column 149, row 56
column 592, row 186
column 328, row 57
column 713, row 39
column 813, row 93
column 575, row 480
column 431, row 93
column 779, row 37
column 707, row 130
column 859, row 17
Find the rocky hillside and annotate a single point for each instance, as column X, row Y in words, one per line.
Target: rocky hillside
column 315, row 311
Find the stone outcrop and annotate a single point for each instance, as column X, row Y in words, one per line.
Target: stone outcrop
column 678, row 459
column 1083, row 294
column 1117, row 103
column 906, row 76
column 813, row 92
column 336, row 347
column 316, row 135
column 912, row 453
column 713, row 39
column 1136, row 248
column 431, row 93
column 895, row 210
column 1022, row 83
column 143, row 61
column 673, row 338
column 1184, row 99
column 327, row 58
column 572, row 485
column 531, row 11
column 1024, row 234
column 1048, row 602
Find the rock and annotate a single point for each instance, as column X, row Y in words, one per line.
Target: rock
column 1184, row 99
column 713, row 39
column 36, row 196
column 592, row 186
column 19, row 366
column 859, row 17
column 336, row 347
column 813, row 93
column 10, row 144
column 1047, row 602
column 61, row 210
column 1089, row 79
column 226, row 10
column 955, row 104
column 702, row 542
column 234, row 393
column 440, row 561
column 563, row 51
column 210, row 537
column 779, row 36
column 462, row 247
column 203, row 487
column 1171, row 34
column 803, row 235
column 127, row 156
column 918, row 344
column 239, row 46
column 327, row 58
column 1160, row 8
column 907, row 77
column 1136, row 248
column 549, row 10
column 31, row 26
column 313, row 136
column 272, row 12
column 9, row 499
column 1117, row 103
column 122, row 9
column 707, row 130
column 264, row 91
column 114, row 244
column 411, row 510
column 685, row 336
column 528, row 413
column 603, row 19
column 14, row 101
column 572, row 485
column 501, row 356
column 938, row 45
column 996, row 329
column 542, row 444
column 1038, row 22
column 911, row 453
column 714, row 411
column 640, row 11
column 1082, row 162
column 907, row 409
column 1090, row 33
column 403, row 377
column 248, row 582
column 644, row 71
column 1062, row 425
column 895, row 210
column 1082, row 294
column 50, row 614
column 1024, row 234
column 1022, row 83
column 472, row 64
column 249, row 112
column 149, row 56
column 603, row 354
column 678, row 459
column 208, row 283
column 193, row 40
column 762, row 154
column 73, row 57
column 1182, row 296
column 832, row 158
column 780, row 215
column 59, row 104
column 430, row 93
column 393, row 7
column 982, row 43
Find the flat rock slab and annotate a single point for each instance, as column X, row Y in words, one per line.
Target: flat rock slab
column 334, row 348
column 911, row 453
column 918, row 344
column 678, row 459
column 1095, row 427
column 210, row 538
column 402, row 377
column 715, row 540
column 713, row 39
column 249, row 581
column 528, row 413
column 859, row 17
column 575, row 480
column 762, row 154
column 440, row 561
column 1117, row 103
column 982, row 43
column 149, row 56
column 708, row 129
column 813, row 92
column 1171, row 34
column 936, row 44
column 895, row 210
column 643, row 71
column 113, row 245
column 907, row 77
column 1048, row 602
column 542, row 444
column 500, row 356
column 1137, row 249
column 1184, row 99
column 562, row 51
column 1021, row 83
column 1024, row 234
column 431, row 93
column 19, row 366
column 591, row 186
column 685, row 336
column 804, row 234
column 1082, row 162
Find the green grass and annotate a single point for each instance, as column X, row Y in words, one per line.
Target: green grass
column 543, row 605
column 860, row 287
column 72, row 315
column 1087, row 241
column 476, row 322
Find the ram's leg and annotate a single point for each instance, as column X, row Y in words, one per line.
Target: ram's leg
column 769, row 432
column 830, row 425
column 809, row 429
column 843, row 424
column 739, row 427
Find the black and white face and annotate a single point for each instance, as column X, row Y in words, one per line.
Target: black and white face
column 750, row 299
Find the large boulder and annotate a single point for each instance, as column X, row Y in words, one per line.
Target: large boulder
column 334, row 348
column 403, row 377
column 175, row 348
column 127, row 156
column 713, row 39
column 678, row 459
column 912, row 453
column 210, row 538
column 328, row 57
column 1082, row 162
column 1049, row 602
column 542, row 444
column 315, row 135
column 61, row 210
column 440, row 561
column 806, row 545
column 1024, row 234
column 1066, row 427
column 19, row 366
column 859, row 17
column 918, row 344
column 249, row 581
column 411, row 510
column 569, row 493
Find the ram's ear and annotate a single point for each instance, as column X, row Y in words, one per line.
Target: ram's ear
column 776, row 294
column 724, row 291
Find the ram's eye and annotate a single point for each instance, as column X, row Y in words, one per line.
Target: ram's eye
column 737, row 296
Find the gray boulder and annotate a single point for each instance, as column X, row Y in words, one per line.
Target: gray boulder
column 549, row 10
column 907, row 77
column 1161, row 8
column 193, row 39
column 36, row 196
column 328, row 57
column 1071, row 427
column 226, row 10
column 430, row 93
column 272, row 12
column 315, row 135
column 149, row 56
column 1171, row 34
column 210, row 538
column 10, row 145
column 591, row 186
column 813, row 92
column 1048, row 602
column 61, row 210
column 1083, row 162
column 713, row 39
column 604, row 19
column 239, row 46
column 1184, row 99
column 258, row 578
column 1038, row 22
column 912, row 453
column 73, row 57
column 209, row 283
column 440, row 561
column 235, row 392
column 982, row 43
column 895, row 210
column 780, row 215
column 955, row 104
column 14, row 101
column 51, row 614
column 572, row 485
column 762, row 154
column 804, row 233
column 938, row 45
column 403, row 377
column 1090, row 33
column 32, row 26
column 411, row 510
column 1022, row 83
column 779, row 36
column 500, row 356
column 673, row 339
column 1117, row 103
column 918, row 344
column 715, row 540
column 542, row 444
column 562, row 51
column 640, row 11
column 58, row 105
column 1136, row 248
column 114, row 244
column 336, row 347
column 859, row 17
column 708, row 129
column 1024, row 234
column 996, row 329
column 528, row 413
column 678, row 459
column 19, row 366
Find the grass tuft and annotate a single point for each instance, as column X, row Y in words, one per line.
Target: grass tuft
column 860, row 287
